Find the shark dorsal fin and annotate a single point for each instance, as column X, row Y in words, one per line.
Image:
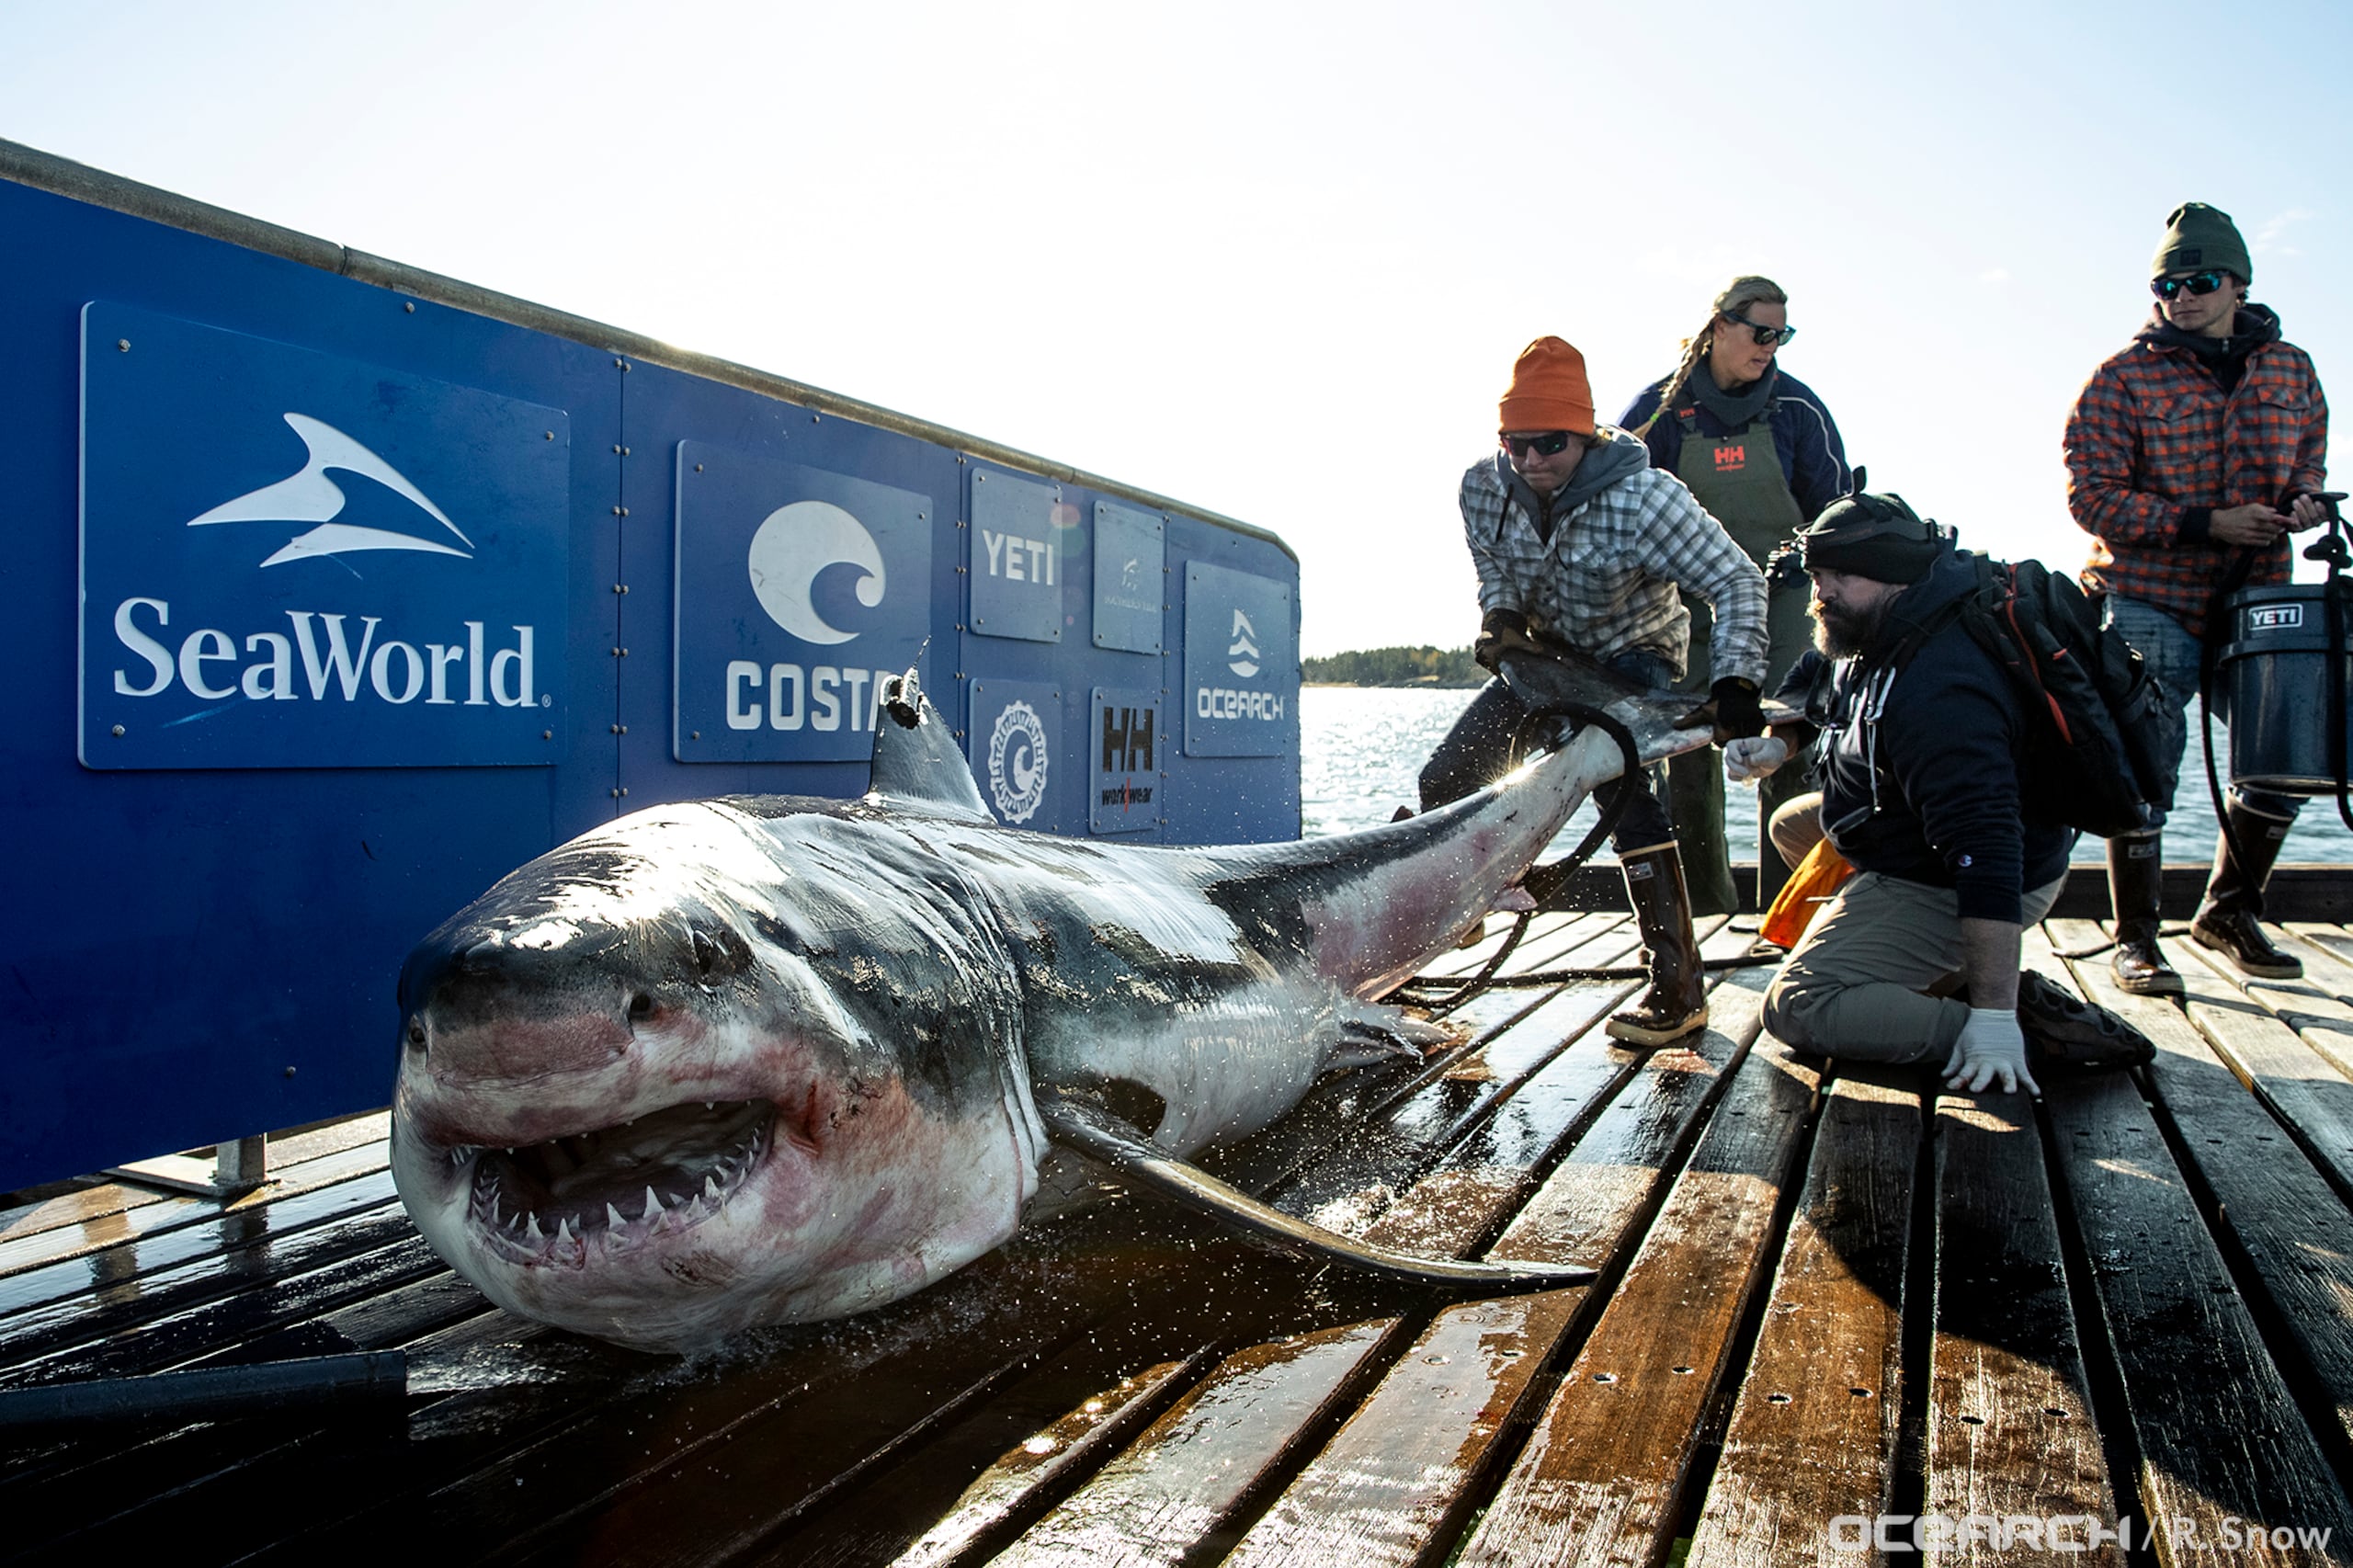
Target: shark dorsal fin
column 916, row 762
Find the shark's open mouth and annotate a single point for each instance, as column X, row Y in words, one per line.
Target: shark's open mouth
column 663, row 1173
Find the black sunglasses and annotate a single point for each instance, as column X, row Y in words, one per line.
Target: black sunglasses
column 1550, row 444
column 1766, row 336
column 2199, row 283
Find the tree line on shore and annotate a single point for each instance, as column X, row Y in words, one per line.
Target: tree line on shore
column 1394, row 666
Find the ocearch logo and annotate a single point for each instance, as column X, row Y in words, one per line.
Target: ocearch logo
column 308, row 496
column 1242, row 652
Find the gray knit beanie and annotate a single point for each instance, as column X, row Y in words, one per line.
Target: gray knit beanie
column 2199, row 237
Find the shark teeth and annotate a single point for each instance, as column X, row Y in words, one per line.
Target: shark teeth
column 556, row 1202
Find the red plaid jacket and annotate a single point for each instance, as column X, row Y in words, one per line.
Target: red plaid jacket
column 2154, row 436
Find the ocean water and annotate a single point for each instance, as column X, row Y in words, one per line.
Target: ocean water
column 1361, row 748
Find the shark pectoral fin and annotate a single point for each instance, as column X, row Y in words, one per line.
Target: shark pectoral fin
column 1373, row 1033
column 1091, row 1130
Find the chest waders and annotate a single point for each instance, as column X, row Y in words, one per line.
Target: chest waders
column 1738, row 479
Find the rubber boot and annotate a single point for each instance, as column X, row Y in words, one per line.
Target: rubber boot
column 2230, row 920
column 1676, row 1001
column 2136, row 876
column 1695, row 803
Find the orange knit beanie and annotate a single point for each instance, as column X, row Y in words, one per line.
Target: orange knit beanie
column 1548, row 389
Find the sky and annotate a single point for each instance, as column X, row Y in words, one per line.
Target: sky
column 1274, row 260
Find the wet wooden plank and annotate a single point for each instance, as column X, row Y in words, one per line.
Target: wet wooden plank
column 2219, row 1436
column 2311, row 1006
column 2291, row 1228
column 1813, row 1434
column 1446, row 1110
column 1549, row 935
column 1410, row 1133
column 239, row 1298
column 2011, row 1427
column 1193, row 1469
column 1347, row 1111
column 140, row 1237
column 1599, row 1480
column 506, row 1473
column 886, row 1522
column 2303, row 1088
column 100, row 1200
column 108, row 1500
column 1400, row 1471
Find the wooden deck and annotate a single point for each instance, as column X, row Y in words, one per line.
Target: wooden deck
column 2123, row 1313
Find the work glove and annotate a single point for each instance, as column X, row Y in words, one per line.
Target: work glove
column 1501, row 632
column 1740, row 713
column 1991, row 1050
column 1754, row 756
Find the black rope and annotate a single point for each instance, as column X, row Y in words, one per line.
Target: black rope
column 1551, row 875
column 1613, row 971
column 2219, row 614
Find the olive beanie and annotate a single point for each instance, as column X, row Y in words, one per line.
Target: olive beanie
column 2199, row 237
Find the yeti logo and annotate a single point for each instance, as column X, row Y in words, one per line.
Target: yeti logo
column 1018, row 763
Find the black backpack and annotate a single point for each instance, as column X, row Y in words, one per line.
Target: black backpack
column 2104, row 741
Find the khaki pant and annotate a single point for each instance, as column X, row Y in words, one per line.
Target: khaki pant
column 1864, row 983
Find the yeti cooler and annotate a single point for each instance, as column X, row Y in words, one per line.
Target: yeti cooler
column 2272, row 684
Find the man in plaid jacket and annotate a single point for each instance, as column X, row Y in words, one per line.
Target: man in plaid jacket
column 2191, row 457
column 1578, row 541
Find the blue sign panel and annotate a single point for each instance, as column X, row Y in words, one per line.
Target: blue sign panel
column 1131, row 554
column 800, row 591
column 1124, row 789
column 1241, row 669
column 1018, row 530
column 1015, row 743
column 292, row 560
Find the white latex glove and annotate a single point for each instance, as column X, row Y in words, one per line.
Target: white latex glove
column 1991, row 1050
column 1754, row 756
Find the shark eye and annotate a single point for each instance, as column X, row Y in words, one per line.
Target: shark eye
column 640, row 1008
column 707, row 954
column 416, row 1033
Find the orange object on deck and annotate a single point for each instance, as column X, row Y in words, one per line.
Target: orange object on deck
column 1818, row 876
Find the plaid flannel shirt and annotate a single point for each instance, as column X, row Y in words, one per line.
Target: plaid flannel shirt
column 1607, row 579
column 2154, row 436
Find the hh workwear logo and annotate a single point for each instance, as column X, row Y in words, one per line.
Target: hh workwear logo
column 800, row 591
column 1732, row 457
column 274, row 572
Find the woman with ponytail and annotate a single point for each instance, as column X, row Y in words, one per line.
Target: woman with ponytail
column 1761, row 453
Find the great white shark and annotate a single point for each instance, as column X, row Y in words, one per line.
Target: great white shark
column 767, row 1059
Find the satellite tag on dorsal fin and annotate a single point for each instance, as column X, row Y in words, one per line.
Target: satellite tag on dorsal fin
column 916, row 761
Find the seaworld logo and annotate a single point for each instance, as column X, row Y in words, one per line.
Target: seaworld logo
column 308, row 496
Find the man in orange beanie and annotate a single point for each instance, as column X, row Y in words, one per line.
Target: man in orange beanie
column 1579, row 543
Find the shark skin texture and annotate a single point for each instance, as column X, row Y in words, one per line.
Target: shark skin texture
column 763, row 1059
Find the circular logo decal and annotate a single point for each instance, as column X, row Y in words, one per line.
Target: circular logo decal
column 1017, row 762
